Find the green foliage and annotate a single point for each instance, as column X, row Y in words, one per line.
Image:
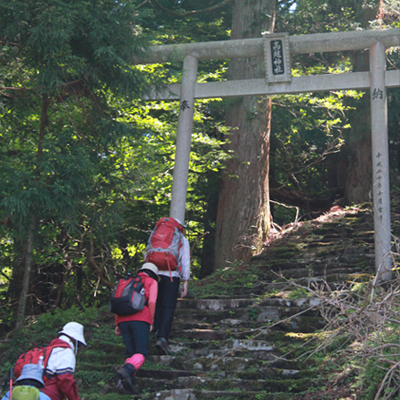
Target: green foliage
column 307, row 134
column 41, row 330
column 50, row 321
column 299, row 293
column 253, row 313
column 82, row 156
column 228, row 282
column 372, row 376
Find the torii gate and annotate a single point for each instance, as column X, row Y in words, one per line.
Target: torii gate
column 279, row 81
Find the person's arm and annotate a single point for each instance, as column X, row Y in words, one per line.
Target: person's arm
column 117, row 330
column 43, row 396
column 67, row 385
column 64, row 367
column 185, row 263
column 151, row 303
column 184, row 288
column 6, row 396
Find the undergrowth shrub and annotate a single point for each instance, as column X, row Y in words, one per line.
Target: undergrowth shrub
column 40, row 331
column 361, row 333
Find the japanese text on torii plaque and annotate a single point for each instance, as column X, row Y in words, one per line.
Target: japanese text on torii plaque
column 379, row 184
column 277, row 58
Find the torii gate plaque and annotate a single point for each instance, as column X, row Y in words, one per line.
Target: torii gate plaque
column 377, row 80
column 277, row 58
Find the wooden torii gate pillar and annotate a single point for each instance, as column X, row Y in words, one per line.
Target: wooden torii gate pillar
column 377, row 80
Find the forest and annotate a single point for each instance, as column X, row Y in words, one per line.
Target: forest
column 86, row 165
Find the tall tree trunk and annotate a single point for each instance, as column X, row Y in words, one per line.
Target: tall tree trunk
column 243, row 216
column 31, row 224
column 18, row 266
column 27, row 273
column 357, row 153
column 208, row 253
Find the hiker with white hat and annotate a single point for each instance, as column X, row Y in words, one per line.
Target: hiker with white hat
column 135, row 330
column 29, row 384
column 59, row 371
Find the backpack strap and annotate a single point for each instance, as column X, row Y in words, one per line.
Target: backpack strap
column 48, row 350
column 146, row 303
column 170, row 273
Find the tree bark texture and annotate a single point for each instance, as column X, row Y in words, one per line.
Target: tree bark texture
column 27, row 274
column 18, row 267
column 208, row 253
column 31, row 224
column 358, row 148
column 243, row 217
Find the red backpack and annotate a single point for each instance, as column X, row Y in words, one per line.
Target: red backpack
column 128, row 296
column 34, row 355
column 164, row 244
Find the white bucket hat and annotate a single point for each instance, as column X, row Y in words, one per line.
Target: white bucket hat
column 31, row 371
column 150, row 266
column 74, row 331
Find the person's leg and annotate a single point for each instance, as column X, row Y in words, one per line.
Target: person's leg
column 141, row 339
column 166, row 304
column 128, row 335
column 142, row 334
column 137, row 334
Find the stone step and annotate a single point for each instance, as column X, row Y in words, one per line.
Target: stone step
column 193, row 394
column 230, row 361
column 272, row 384
column 151, row 382
column 229, row 304
column 330, row 278
column 263, row 346
column 321, row 270
column 190, row 394
column 258, row 318
column 261, row 324
column 253, row 348
column 224, row 347
column 317, row 254
column 232, row 364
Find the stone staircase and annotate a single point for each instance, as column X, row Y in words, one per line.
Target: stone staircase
column 219, row 349
column 246, row 343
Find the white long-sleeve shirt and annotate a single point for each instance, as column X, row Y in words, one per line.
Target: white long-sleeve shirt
column 183, row 269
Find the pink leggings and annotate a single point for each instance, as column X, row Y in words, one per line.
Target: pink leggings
column 137, row 360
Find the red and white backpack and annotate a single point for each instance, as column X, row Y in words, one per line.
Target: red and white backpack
column 164, row 244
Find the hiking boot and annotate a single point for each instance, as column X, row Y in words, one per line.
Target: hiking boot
column 124, row 378
column 162, row 344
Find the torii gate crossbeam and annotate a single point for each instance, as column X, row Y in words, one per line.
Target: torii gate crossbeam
column 377, row 80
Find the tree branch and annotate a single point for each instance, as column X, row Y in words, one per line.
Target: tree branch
column 197, row 240
column 5, row 43
column 96, row 268
column 141, row 4
column 43, row 124
column 192, row 12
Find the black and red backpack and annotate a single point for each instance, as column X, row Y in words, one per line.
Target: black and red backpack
column 128, row 296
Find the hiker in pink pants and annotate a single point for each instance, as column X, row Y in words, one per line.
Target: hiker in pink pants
column 135, row 330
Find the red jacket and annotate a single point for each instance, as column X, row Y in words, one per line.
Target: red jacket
column 147, row 314
column 59, row 371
